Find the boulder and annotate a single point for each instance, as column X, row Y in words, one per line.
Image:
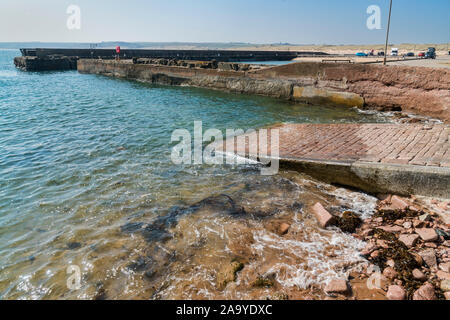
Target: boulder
column 392, row 229
column 409, row 239
column 284, row 228
column 447, row 295
column 419, row 275
column 370, row 247
column 399, row 203
column 429, row 257
column 418, row 224
column 427, row 234
column 396, row 293
column 337, row 286
column 443, row 275
column 445, row 285
column 383, row 244
column 445, row 267
column 407, row 225
column 324, row 218
column 390, row 273
column 425, row 292
column 390, row 263
column 418, row 258
column 425, row 217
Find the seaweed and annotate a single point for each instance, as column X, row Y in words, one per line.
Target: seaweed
column 349, row 222
column 395, row 214
column 263, row 282
column 228, row 273
column 405, row 262
column 279, row 296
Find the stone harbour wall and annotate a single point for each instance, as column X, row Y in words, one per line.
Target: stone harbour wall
column 424, row 91
column 51, row 63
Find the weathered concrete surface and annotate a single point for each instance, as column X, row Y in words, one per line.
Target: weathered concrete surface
column 322, row 96
column 41, row 59
column 403, row 159
column 204, row 55
column 423, row 91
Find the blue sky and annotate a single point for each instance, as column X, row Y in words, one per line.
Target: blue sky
column 255, row 21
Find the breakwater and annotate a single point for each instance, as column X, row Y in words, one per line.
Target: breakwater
column 423, row 91
column 202, row 55
column 39, row 59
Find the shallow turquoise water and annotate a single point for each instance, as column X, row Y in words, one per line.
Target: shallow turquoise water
column 81, row 155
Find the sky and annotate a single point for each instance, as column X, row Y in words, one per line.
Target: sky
column 249, row 21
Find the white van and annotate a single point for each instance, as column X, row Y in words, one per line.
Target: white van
column 394, row 52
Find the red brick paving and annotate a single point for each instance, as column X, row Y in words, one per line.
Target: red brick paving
column 407, row 144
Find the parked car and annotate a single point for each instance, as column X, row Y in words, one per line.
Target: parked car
column 421, row 54
column 381, row 54
column 409, row 54
column 361, row 54
column 431, row 53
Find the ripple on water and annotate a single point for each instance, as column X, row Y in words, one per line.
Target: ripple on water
column 84, row 155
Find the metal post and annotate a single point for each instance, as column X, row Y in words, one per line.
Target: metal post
column 387, row 33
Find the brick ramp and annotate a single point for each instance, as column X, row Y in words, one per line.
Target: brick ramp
column 399, row 158
column 376, row 143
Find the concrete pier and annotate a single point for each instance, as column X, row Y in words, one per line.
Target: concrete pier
column 378, row 158
column 39, row 59
column 199, row 55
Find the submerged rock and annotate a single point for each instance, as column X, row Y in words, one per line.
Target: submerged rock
column 140, row 264
column 131, row 227
column 73, row 245
column 264, row 282
column 228, row 274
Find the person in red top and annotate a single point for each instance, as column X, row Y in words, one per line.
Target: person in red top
column 118, row 53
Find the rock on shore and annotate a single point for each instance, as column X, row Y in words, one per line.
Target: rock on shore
column 409, row 242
